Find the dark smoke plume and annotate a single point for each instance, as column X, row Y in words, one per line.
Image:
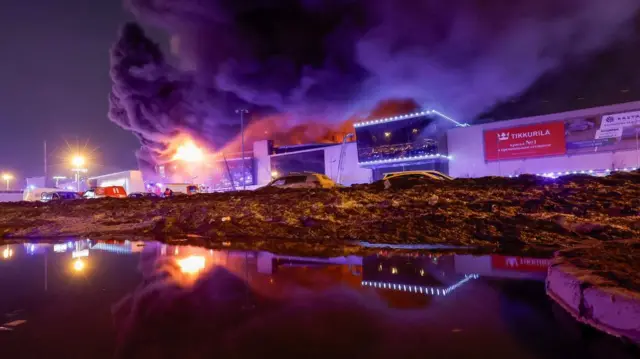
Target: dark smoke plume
column 331, row 60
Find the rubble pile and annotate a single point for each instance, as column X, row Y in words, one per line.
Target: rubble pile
column 492, row 212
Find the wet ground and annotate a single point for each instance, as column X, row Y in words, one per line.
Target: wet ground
column 88, row 299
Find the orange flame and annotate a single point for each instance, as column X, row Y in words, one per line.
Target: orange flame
column 189, row 152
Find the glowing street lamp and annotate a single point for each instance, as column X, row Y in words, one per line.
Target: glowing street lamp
column 7, row 177
column 78, row 161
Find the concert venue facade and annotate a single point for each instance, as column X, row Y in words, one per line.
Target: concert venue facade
column 592, row 140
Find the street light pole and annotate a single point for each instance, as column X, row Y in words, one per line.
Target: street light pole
column 78, row 161
column 637, row 145
column 242, row 111
column 58, row 178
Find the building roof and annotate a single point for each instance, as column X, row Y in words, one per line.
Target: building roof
column 297, row 148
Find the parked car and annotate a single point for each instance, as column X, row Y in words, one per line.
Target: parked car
column 418, row 174
column 409, row 179
column 59, row 196
column 101, row 192
column 143, row 195
column 303, row 180
column 35, row 194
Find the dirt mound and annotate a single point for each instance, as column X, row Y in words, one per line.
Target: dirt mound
column 494, row 212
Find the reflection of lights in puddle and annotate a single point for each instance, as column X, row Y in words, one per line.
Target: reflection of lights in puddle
column 7, row 253
column 192, row 264
column 420, row 289
column 60, row 248
column 79, row 265
column 80, row 254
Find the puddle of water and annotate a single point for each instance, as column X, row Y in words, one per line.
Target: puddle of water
column 151, row 300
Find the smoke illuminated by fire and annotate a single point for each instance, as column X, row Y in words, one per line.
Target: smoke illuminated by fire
column 314, row 64
column 284, row 129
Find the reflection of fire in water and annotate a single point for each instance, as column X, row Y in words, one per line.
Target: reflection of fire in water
column 191, row 264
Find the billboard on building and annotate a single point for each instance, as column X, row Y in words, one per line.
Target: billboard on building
column 535, row 140
column 602, row 133
column 606, row 133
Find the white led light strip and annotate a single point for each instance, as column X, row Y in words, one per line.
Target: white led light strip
column 111, row 248
column 584, row 172
column 409, row 158
column 420, row 289
column 408, row 116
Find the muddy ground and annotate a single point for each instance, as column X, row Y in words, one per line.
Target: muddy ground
column 593, row 221
column 499, row 214
column 610, row 263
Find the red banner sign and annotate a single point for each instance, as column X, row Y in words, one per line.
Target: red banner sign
column 535, row 140
column 520, row 264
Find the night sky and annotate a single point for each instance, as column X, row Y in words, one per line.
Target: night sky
column 54, row 85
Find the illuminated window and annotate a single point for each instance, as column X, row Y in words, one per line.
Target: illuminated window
column 394, row 270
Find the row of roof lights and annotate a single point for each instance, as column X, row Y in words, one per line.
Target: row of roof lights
column 409, row 158
column 114, row 248
column 420, row 289
column 589, row 172
column 407, row 116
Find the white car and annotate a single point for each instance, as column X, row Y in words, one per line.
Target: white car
column 303, row 180
column 35, row 194
column 418, row 174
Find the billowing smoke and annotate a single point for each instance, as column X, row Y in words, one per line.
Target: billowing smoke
column 326, row 61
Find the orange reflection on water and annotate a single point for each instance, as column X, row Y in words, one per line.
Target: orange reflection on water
column 191, row 264
column 7, row 253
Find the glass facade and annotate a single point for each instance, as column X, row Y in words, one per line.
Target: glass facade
column 213, row 174
column 397, row 139
column 220, row 176
column 310, row 161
